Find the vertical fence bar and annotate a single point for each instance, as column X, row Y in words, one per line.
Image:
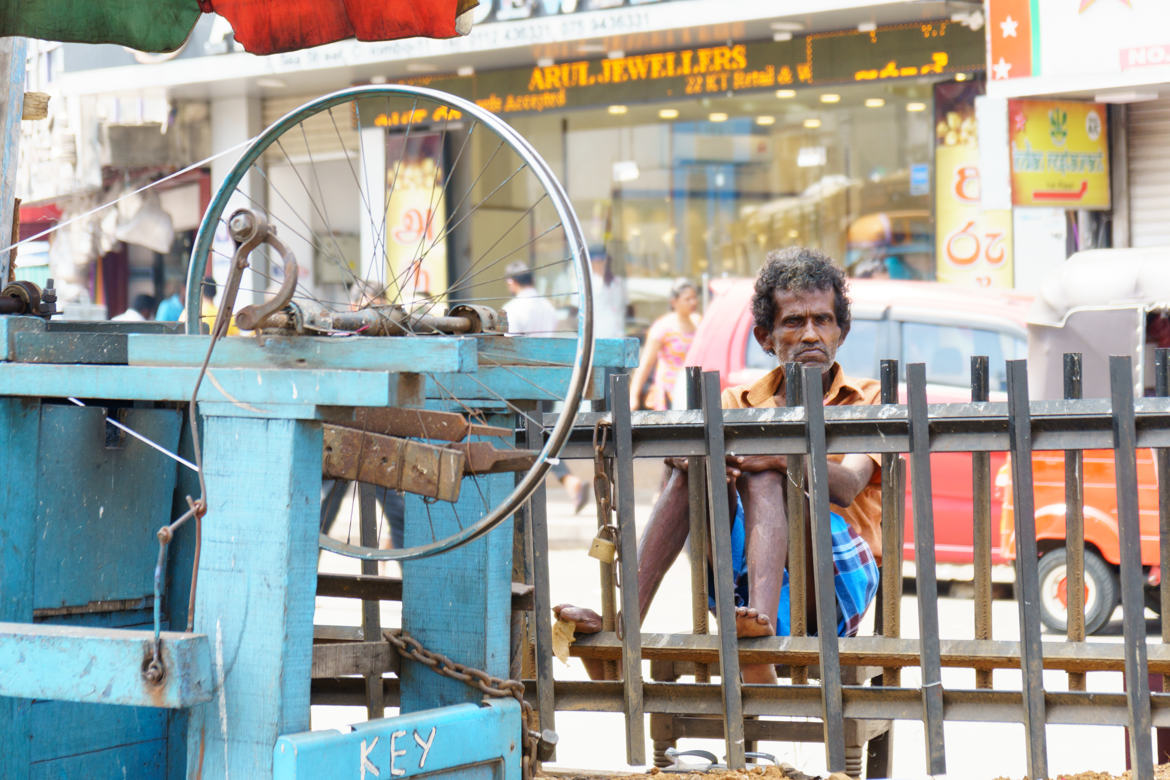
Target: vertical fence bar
column 1074, row 523
column 697, row 539
column 1162, row 390
column 623, row 450
column 932, row 699
column 981, row 516
column 891, row 612
column 1027, row 578
column 542, row 596
column 724, row 593
column 1137, row 681
column 797, row 543
column 832, row 710
column 371, row 608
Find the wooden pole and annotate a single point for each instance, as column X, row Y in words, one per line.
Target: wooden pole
column 13, row 52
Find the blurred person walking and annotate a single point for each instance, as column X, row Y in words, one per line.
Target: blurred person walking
column 531, row 314
column 141, row 310
column 666, row 347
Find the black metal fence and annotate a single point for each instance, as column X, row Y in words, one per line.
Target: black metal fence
column 853, row 704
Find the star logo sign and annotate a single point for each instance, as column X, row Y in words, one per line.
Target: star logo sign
column 1019, row 122
column 1001, row 69
column 1008, row 26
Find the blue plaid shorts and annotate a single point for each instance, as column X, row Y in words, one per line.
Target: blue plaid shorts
column 855, row 576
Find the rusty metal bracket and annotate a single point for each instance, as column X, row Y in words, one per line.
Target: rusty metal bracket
column 483, row 457
column 251, row 231
column 392, row 462
column 418, row 423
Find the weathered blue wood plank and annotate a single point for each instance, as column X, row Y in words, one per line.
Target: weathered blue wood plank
column 255, row 387
column 19, row 452
column 257, row 580
column 607, row 353
column 101, row 665
column 66, row 728
column 97, row 525
column 542, row 383
column 468, row 587
column 474, row 740
column 430, row 353
column 140, row 760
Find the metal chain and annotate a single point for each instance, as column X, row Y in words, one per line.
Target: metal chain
column 602, row 476
column 409, row 647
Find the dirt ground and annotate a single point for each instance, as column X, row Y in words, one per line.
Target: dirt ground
column 785, row 772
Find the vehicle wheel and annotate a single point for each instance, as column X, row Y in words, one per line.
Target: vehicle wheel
column 1100, row 591
column 383, row 190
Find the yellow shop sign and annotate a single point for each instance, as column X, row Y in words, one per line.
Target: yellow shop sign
column 1059, row 153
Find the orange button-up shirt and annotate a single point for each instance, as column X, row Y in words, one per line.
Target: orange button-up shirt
column 865, row 513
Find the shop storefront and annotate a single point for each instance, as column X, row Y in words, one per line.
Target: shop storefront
column 698, row 161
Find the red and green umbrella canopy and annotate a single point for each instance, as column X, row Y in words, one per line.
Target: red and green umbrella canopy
column 261, row 26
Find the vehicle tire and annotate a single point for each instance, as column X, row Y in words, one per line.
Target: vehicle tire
column 1101, row 591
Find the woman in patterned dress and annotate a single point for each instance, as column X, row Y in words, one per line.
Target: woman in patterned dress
column 666, row 347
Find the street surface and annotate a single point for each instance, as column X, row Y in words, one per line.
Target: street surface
column 596, row 741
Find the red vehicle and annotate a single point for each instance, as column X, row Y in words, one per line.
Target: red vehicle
column 940, row 325
column 1104, row 302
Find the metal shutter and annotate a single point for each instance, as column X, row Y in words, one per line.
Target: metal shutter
column 1148, row 157
column 329, row 134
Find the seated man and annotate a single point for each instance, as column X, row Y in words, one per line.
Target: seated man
column 801, row 314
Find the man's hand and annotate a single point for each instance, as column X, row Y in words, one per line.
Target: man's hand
column 738, row 465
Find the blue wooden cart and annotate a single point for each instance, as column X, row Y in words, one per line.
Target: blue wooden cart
column 160, row 512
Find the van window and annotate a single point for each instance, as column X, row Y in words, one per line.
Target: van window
column 856, row 355
column 947, row 349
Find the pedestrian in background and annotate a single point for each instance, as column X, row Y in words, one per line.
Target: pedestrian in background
column 141, row 310
column 666, row 347
column 531, row 314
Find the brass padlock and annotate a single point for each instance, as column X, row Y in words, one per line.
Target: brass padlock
column 604, row 547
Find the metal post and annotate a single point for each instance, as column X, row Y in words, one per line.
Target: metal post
column 932, row 699
column 832, row 711
column 623, row 451
column 1162, row 390
column 1074, row 524
column 797, row 522
column 371, row 608
column 1137, row 681
column 981, row 515
column 891, row 612
column 724, row 594
column 1027, row 578
column 697, row 538
column 542, row 597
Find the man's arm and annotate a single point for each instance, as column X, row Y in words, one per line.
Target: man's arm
column 846, row 479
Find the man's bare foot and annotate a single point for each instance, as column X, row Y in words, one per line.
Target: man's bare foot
column 586, row 620
column 750, row 623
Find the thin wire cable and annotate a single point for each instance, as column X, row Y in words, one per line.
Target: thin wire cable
column 121, row 198
column 178, row 458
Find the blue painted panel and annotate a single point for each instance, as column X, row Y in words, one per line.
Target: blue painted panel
column 101, row 666
column 469, row 587
column 257, row 583
column 430, row 353
column 607, row 353
column 64, row 728
column 143, row 760
column 432, row 742
column 100, row 507
column 19, row 451
column 543, row 383
column 159, row 383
